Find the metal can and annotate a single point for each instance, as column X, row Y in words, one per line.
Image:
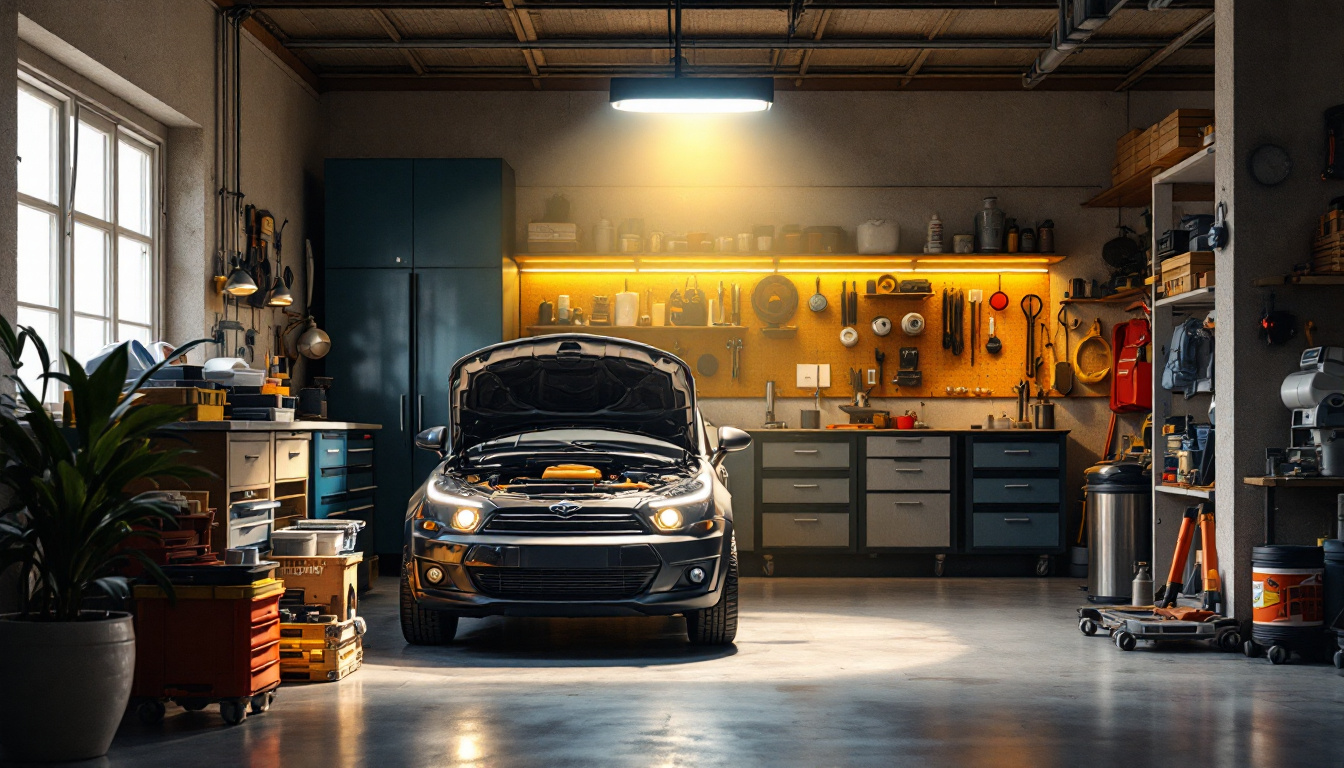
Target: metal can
column 655, row 242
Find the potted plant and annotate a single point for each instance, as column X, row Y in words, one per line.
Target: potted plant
column 64, row 525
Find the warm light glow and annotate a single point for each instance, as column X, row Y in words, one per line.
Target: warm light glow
column 668, row 519
column 466, row 518
column 448, row 499
column 691, row 106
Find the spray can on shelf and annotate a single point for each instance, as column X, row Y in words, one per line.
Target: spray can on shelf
column 933, row 243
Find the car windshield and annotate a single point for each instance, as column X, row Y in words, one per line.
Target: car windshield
column 604, row 441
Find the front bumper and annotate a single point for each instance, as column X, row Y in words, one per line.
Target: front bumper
column 543, row 575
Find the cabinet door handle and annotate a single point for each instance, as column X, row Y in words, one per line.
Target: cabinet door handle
column 420, row 415
column 294, row 454
column 909, row 439
column 911, row 469
column 1016, row 450
column 806, row 485
column 251, row 456
column 329, row 450
column 908, row 503
column 806, row 520
column 1016, row 485
column 1017, row 519
column 810, row 450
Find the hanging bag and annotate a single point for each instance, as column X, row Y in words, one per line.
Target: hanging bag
column 1132, row 384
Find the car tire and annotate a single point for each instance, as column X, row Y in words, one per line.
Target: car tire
column 421, row 626
column 717, row 625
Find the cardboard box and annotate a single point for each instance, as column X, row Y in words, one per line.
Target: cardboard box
column 325, row 580
column 543, row 230
column 1200, row 260
column 1183, row 280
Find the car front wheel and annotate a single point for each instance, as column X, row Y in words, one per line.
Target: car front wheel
column 717, row 625
column 421, row 626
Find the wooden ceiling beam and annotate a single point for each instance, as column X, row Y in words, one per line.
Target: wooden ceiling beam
column 269, row 41
column 816, row 35
column 923, row 55
column 394, row 33
column 521, row 21
column 1198, row 28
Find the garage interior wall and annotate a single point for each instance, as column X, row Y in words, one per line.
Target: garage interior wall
column 159, row 57
column 815, row 158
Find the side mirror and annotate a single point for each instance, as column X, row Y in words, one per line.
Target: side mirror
column 730, row 439
column 432, row 439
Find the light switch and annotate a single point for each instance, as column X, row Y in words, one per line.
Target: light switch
column 872, row 376
column 824, row 375
column 807, row 376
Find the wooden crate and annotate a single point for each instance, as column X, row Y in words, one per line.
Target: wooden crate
column 1179, row 135
column 1185, row 279
column 309, row 635
column 325, row 580
column 181, row 396
column 1327, row 253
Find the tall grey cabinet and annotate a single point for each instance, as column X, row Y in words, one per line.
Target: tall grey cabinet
column 418, row 273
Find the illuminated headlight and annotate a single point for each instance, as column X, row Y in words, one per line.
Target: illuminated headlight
column 434, row 574
column 443, row 498
column 695, row 492
column 687, row 502
column 466, row 519
column 668, row 519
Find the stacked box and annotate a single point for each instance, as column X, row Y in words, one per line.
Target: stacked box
column 1179, row 135
column 1124, row 156
column 330, row 581
column 320, row 652
column 1187, row 272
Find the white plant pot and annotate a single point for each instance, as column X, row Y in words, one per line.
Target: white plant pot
column 66, row 686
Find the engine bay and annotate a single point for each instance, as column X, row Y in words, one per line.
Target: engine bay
column 562, row 478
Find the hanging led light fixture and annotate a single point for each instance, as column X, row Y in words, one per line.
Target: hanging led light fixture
column 280, row 295
column 690, row 95
column 240, row 283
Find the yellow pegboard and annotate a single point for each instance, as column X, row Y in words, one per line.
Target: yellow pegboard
column 818, row 336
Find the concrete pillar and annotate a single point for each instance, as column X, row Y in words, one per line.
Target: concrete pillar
column 1277, row 65
column 9, row 148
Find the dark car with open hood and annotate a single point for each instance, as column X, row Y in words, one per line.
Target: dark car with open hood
column 577, row 480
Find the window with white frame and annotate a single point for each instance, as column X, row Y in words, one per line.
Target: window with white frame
column 88, row 226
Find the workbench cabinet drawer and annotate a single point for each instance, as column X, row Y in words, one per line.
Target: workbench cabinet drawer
column 291, row 459
column 909, row 474
column 1015, row 490
column 249, row 462
column 909, row 520
column 1018, row 455
column 256, row 534
column 805, row 490
column 1037, row 530
column 816, row 455
column 330, row 450
column 899, row 446
column 821, row 529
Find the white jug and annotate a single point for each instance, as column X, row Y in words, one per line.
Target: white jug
column 879, row 236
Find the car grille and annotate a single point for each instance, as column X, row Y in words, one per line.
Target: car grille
column 542, row 521
column 562, row 584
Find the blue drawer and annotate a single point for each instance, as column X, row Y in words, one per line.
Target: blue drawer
column 1035, row 530
column 1015, row 490
column 1018, row 455
column 330, row 449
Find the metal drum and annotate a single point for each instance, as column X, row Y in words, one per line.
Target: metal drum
column 1119, row 515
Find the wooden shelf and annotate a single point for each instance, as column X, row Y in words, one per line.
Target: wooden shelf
column 1119, row 297
column 1295, row 482
column 1137, row 190
column 1199, row 297
column 1270, row 282
column 613, row 330
column 910, row 296
column 1178, row 490
column 788, row 263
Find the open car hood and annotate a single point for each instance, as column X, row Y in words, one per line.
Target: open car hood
column 571, row 381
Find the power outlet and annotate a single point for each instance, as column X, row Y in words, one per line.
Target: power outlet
column 807, row 376
column 872, row 377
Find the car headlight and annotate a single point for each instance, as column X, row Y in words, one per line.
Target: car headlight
column 687, row 502
column 444, row 510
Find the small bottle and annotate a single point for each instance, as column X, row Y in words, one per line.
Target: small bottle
column 1027, row 240
column 1012, row 236
column 604, row 236
column 1045, row 236
column 934, row 243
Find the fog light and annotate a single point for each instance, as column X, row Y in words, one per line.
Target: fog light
column 465, row 519
column 431, row 526
column 696, row 575
column 434, row 574
column 668, row 519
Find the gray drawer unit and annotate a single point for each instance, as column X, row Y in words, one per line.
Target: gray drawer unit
column 988, row 454
column 805, row 490
column 908, row 520
column 909, row 474
column 809, row 455
column 1015, row 490
column 810, row 530
column 901, row 446
column 1028, row 530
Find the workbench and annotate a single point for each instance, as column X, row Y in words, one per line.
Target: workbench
column 1272, row 483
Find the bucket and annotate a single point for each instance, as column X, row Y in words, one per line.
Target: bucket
column 1334, row 583
column 1287, row 586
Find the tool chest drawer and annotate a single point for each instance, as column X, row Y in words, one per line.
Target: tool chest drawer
column 898, row 446
column 909, row 474
column 1015, row 490
column 1015, row 455
column 820, row 529
column 249, row 462
column 908, row 520
column 291, row 458
column 330, row 448
column 805, row 490
column 1015, row 529
column 818, row 455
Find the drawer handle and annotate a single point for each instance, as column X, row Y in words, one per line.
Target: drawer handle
column 333, row 450
column 1017, row 519
column 295, row 454
column 806, row 520
column 1016, row 450
column 805, row 485
column 907, row 503
column 252, row 456
column 810, row 450
column 909, row 439
column 912, row 469
column 1016, row 485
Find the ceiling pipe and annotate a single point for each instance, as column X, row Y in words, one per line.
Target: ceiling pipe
column 692, row 5
column 1078, row 21
column 725, row 43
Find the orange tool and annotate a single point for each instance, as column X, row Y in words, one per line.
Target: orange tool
column 1176, row 577
column 1213, row 588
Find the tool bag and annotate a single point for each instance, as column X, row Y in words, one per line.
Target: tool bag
column 687, row 307
column 1132, row 384
column 1189, row 367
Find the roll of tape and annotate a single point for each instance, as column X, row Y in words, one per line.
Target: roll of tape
column 912, row 324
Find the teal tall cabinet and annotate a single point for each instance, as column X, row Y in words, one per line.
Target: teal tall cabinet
column 417, row 275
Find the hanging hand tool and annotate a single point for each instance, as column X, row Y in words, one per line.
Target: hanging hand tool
column 854, row 303
column 1063, row 380
column 1031, row 309
column 958, row 324
column 976, row 296
column 992, row 345
column 947, row 319
column 844, row 304
column 880, row 357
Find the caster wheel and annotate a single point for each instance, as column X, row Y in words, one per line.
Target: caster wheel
column 1125, row 641
column 262, row 702
column 1229, row 641
column 1278, row 654
column 938, row 566
column 233, row 711
column 1251, row 649
column 1339, row 659
column 769, row 568
column 1087, row 627
column 1043, row 566
column 151, row 712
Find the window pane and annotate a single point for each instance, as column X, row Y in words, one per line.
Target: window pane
column 133, row 281
column 38, row 259
column 38, row 158
column 90, row 338
column 91, row 185
column 46, row 324
column 135, row 197
column 126, row 332
column 90, row 270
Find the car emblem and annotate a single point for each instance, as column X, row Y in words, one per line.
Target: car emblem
column 565, row 508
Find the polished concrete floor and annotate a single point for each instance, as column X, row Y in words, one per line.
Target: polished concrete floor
column 826, row 672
